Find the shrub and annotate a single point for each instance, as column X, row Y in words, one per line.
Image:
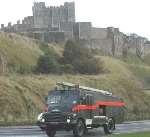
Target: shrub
column 23, row 69
column 47, row 64
column 74, row 51
column 88, row 66
column 68, row 68
column 81, row 59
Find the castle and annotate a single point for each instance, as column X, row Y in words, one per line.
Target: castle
column 58, row 24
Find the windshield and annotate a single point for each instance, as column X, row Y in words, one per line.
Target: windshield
column 58, row 98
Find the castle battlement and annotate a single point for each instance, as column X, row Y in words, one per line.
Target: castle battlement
column 39, row 4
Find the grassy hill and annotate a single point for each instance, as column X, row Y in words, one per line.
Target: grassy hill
column 17, row 52
column 22, row 96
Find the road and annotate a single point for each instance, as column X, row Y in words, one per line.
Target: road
column 34, row 131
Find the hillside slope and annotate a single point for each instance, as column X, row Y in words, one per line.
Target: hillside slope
column 22, row 96
column 17, row 52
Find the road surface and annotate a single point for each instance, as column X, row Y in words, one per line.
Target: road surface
column 34, row 131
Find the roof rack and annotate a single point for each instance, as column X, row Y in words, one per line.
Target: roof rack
column 82, row 87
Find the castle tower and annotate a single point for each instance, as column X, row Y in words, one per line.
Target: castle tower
column 51, row 17
column 70, row 11
column 55, row 17
column 140, row 46
column 2, row 26
column 41, row 15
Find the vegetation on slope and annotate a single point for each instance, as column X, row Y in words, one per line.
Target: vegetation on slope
column 17, row 53
column 22, row 96
column 75, row 59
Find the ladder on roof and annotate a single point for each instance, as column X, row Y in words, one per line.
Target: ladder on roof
column 83, row 87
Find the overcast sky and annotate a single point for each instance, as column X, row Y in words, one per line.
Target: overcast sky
column 131, row 16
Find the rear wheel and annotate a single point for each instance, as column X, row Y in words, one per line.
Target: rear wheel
column 86, row 131
column 109, row 127
column 42, row 128
column 79, row 129
column 50, row 133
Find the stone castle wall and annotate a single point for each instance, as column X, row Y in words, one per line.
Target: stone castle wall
column 57, row 24
column 98, row 33
column 82, row 30
column 67, row 28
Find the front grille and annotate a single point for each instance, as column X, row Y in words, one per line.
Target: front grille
column 56, row 117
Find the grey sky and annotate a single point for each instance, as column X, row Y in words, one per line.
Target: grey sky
column 131, row 16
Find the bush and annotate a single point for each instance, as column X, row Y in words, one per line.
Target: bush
column 24, row 69
column 76, row 59
column 74, row 51
column 88, row 66
column 47, row 64
column 81, row 59
column 68, row 68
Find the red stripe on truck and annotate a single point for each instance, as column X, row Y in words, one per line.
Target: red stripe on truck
column 78, row 108
column 110, row 103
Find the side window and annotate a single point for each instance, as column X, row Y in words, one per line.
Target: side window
column 102, row 111
column 89, row 99
column 83, row 100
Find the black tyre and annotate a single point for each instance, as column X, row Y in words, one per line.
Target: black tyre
column 86, row 131
column 109, row 127
column 79, row 129
column 42, row 128
column 50, row 133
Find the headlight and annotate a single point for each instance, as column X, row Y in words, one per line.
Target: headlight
column 74, row 114
column 39, row 117
column 43, row 120
column 68, row 120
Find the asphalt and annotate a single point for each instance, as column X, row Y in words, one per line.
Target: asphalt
column 34, row 131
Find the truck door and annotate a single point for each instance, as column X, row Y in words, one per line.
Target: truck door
column 87, row 100
column 89, row 103
column 102, row 110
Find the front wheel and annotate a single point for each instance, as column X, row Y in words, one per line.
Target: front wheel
column 109, row 127
column 79, row 129
column 50, row 133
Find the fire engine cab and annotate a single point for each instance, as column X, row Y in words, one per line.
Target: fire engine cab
column 78, row 108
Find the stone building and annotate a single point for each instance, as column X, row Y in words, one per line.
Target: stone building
column 147, row 47
column 50, row 24
column 138, row 45
column 51, row 17
column 58, row 24
column 82, row 30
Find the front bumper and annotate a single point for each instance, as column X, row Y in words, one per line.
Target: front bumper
column 57, row 125
column 58, row 121
column 60, row 125
column 41, row 125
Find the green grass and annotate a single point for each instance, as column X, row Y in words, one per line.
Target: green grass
column 141, row 134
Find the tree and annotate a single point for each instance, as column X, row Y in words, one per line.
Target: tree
column 89, row 66
column 47, row 64
column 81, row 58
column 69, row 52
column 73, row 51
